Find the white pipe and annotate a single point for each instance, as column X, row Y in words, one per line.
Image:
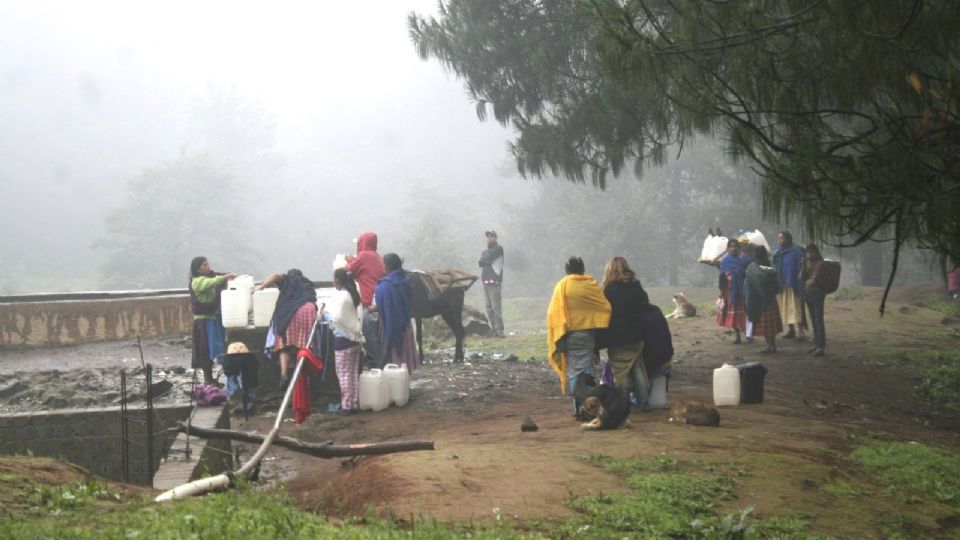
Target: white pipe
column 222, row 480
column 195, row 488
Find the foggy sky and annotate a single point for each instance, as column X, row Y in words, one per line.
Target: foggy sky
column 92, row 93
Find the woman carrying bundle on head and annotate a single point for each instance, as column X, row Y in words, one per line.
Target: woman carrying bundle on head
column 209, row 337
column 345, row 316
column 394, row 302
column 293, row 318
column 730, row 309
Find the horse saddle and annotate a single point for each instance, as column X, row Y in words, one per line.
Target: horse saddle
column 438, row 282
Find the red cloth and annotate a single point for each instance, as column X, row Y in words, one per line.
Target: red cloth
column 769, row 323
column 953, row 280
column 367, row 267
column 301, row 386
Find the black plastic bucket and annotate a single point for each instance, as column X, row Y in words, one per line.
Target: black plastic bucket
column 751, row 382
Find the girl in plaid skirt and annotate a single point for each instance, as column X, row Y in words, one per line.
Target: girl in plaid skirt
column 762, row 287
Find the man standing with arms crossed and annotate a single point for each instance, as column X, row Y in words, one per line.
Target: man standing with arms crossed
column 491, row 274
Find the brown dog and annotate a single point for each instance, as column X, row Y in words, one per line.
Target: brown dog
column 683, row 307
column 695, row 413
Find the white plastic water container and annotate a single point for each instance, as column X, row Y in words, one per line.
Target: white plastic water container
column 658, row 393
column 726, row 386
column 398, row 380
column 233, row 308
column 264, row 302
column 713, row 248
column 374, row 390
column 756, row 238
column 340, row 261
column 243, row 283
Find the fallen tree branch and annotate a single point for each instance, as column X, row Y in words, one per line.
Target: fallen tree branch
column 322, row 450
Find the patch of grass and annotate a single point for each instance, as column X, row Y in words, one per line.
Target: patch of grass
column 946, row 333
column 850, row 293
column 525, row 347
column 846, row 489
column 937, row 373
column 670, row 500
column 945, row 306
column 239, row 514
column 940, row 385
column 913, row 470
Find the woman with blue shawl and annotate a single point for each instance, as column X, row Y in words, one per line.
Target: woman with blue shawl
column 394, row 303
column 730, row 310
column 788, row 260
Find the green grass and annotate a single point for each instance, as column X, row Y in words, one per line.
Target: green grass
column 912, row 471
column 849, row 293
column 666, row 501
column 671, row 499
column 937, row 373
column 240, row 514
column 945, row 306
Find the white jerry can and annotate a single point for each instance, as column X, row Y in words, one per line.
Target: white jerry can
column 726, row 386
column 398, row 379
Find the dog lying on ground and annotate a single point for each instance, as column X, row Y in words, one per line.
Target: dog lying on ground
column 695, row 413
column 683, row 307
column 607, row 405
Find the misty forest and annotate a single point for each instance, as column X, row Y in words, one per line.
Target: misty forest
column 140, row 140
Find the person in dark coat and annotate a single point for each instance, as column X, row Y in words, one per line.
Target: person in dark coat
column 491, row 274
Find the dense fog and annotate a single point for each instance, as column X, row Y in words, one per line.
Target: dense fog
column 269, row 136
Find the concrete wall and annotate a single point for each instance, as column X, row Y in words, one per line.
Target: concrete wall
column 43, row 324
column 91, row 438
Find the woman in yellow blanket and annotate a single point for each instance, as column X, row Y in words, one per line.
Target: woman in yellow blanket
column 577, row 309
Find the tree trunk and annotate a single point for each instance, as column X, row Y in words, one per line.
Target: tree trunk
column 325, row 450
column 871, row 264
column 673, row 231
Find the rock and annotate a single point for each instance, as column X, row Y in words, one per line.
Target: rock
column 529, row 425
column 12, row 388
column 159, row 388
column 476, row 328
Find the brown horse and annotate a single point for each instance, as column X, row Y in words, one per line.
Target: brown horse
column 440, row 293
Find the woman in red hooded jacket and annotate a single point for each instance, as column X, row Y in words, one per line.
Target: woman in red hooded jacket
column 367, row 269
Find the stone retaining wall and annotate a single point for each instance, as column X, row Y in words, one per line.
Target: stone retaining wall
column 70, row 322
column 91, row 438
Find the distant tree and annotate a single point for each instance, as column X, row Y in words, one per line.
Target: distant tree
column 436, row 229
column 848, row 110
column 658, row 224
column 172, row 213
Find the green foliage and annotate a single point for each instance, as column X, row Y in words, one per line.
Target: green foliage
column 173, row 213
column 847, row 109
column 910, row 469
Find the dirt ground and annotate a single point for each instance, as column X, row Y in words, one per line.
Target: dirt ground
column 787, row 448
column 783, row 451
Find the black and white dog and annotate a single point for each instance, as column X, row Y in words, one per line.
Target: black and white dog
column 608, row 405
